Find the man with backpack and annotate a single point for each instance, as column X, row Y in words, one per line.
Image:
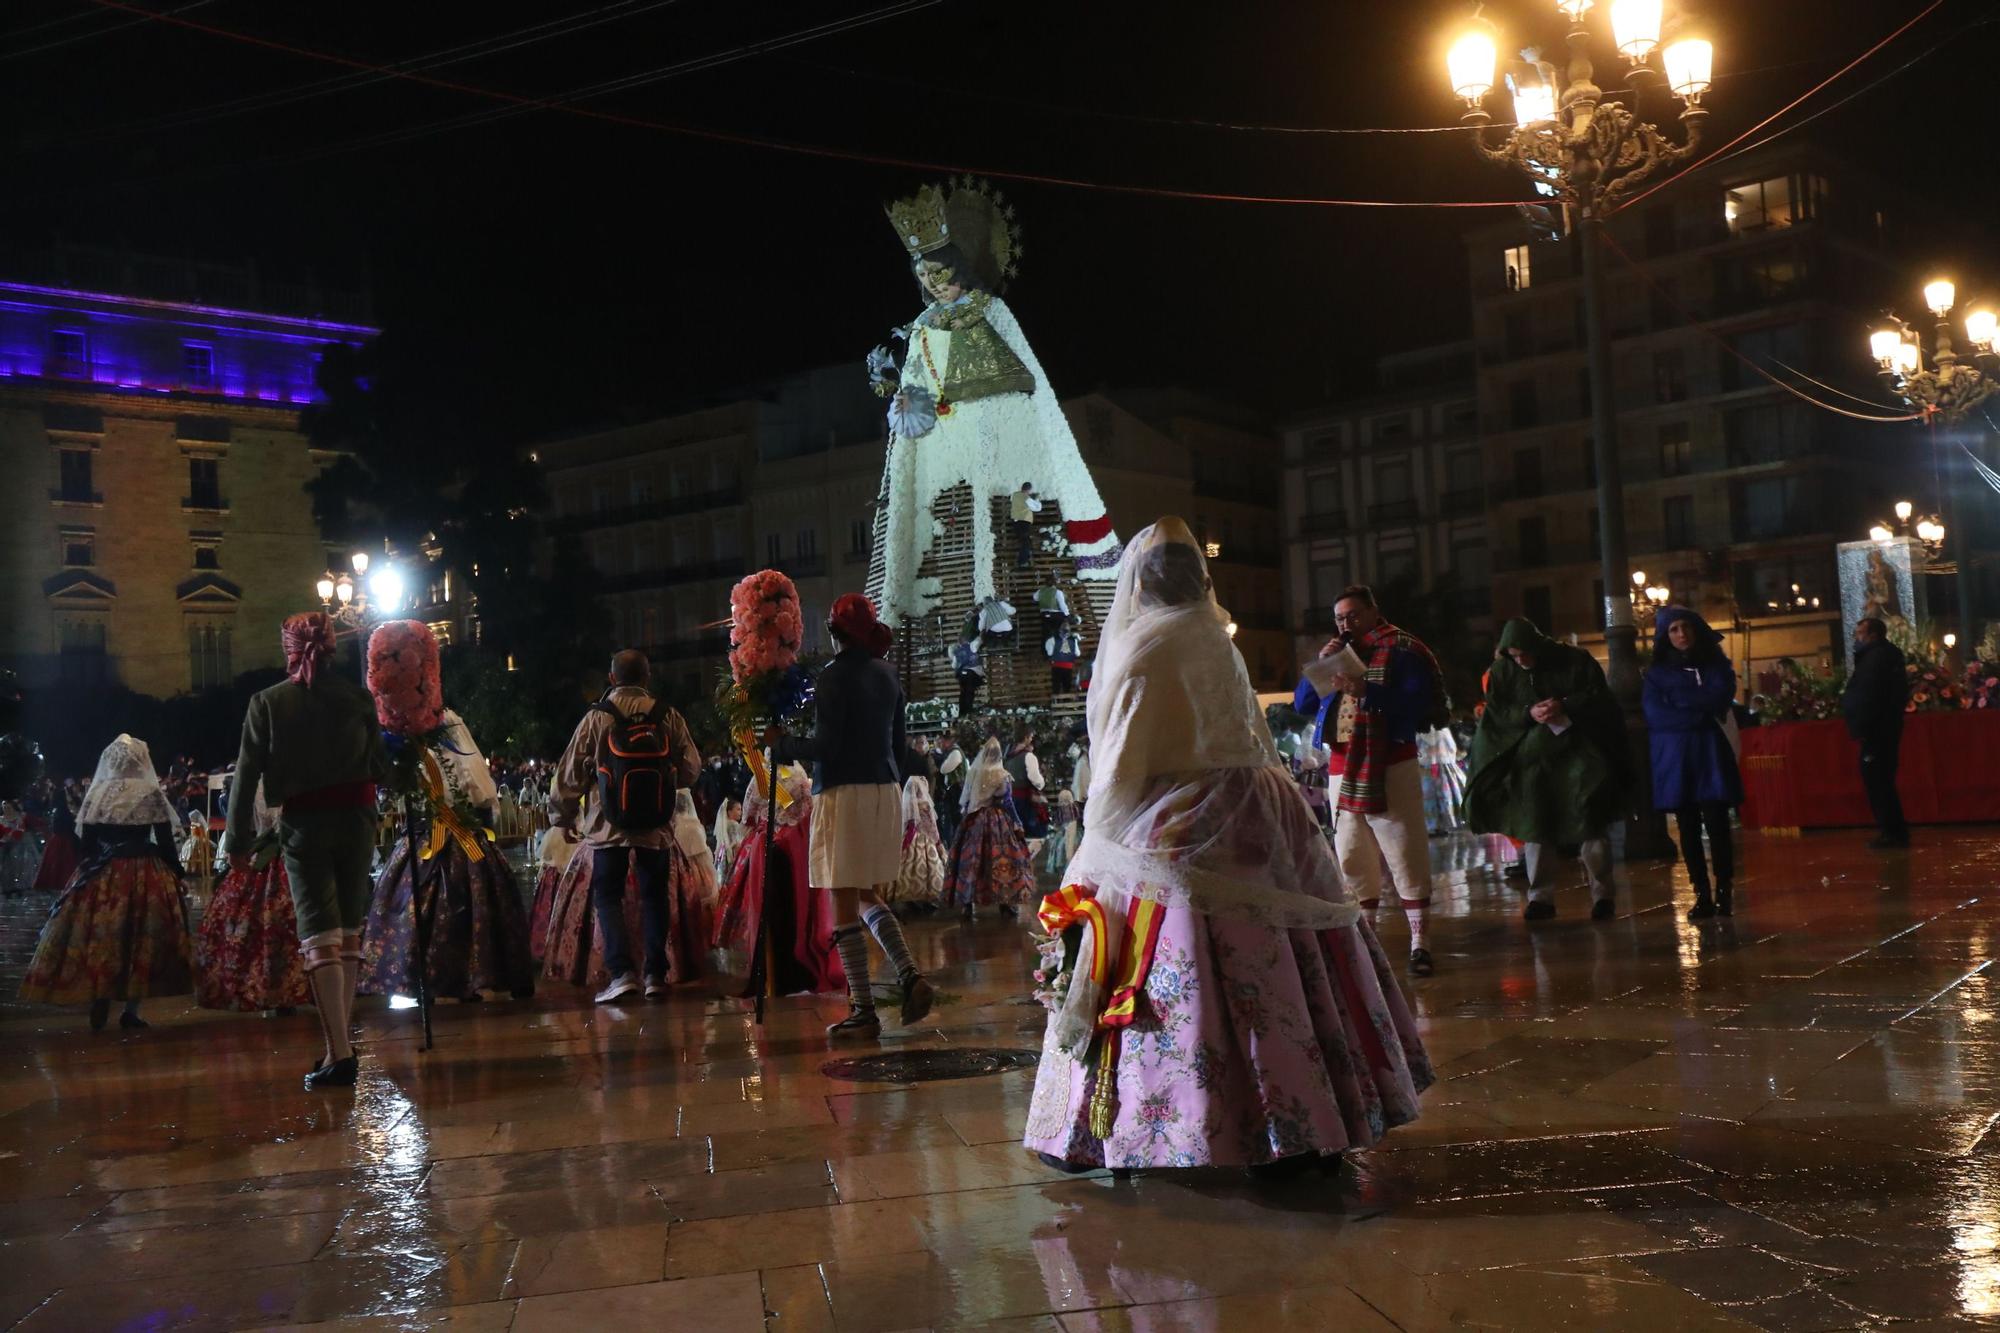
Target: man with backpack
column 630, row 753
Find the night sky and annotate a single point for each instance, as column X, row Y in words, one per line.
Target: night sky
column 537, row 271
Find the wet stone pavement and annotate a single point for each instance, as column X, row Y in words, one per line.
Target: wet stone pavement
column 1782, row 1121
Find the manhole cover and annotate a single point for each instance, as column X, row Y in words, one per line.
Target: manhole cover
column 924, row 1066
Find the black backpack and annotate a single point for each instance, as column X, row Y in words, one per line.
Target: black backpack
column 635, row 770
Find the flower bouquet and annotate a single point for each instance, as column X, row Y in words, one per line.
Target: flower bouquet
column 765, row 683
column 409, row 701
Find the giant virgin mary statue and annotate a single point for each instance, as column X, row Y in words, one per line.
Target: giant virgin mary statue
column 978, row 445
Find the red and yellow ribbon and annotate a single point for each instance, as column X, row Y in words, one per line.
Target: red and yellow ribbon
column 445, row 823
column 755, row 758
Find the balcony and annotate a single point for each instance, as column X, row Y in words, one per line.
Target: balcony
column 1563, row 481
column 671, row 576
column 803, row 566
column 71, row 495
column 1555, row 555
column 1458, row 503
column 1327, row 523
column 1799, row 521
column 647, row 510
column 207, row 502
column 1393, row 511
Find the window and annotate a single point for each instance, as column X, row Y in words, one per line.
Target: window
column 1583, row 399
column 1473, row 564
column 69, row 353
column 79, row 547
column 807, row 543
column 436, row 593
column 1670, row 376
column 75, row 477
column 208, row 656
column 1676, row 451
column 1527, row 473
column 1782, row 201
column 649, row 625
column 1790, row 584
column 1461, row 418
column 642, row 490
column 1392, row 480
column 198, row 365
column 774, row 549
column 1763, row 347
column 1328, row 578
column 1767, row 433
column 1463, row 470
column 1588, row 449
column 600, row 497
column 1323, row 493
column 204, row 483
column 1770, row 507
column 1521, row 408
column 1596, row 535
column 1396, row 565
column 1537, row 606
column 82, row 652
column 1532, row 536
column 1391, row 428
column 1677, row 522
column 207, row 550
column 857, row 537
column 1516, row 325
column 1515, row 263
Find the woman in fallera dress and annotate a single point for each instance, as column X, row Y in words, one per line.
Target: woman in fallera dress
column 119, row 930
column 1215, row 997
column 248, row 940
column 989, row 862
column 800, row 918
column 573, row 948
column 921, row 879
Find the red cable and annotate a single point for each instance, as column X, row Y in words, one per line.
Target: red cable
column 779, row 145
column 1935, row 4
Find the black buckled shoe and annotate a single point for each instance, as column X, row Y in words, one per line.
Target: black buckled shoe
column 339, row 1074
column 1420, row 963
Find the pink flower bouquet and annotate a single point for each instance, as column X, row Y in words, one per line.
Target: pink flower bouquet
column 403, row 677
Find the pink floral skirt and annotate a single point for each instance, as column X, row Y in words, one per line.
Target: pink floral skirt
column 248, row 944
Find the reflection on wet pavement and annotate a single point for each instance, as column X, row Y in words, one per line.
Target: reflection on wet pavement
column 1785, row 1121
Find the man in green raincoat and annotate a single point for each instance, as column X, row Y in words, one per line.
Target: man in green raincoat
column 1549, row 765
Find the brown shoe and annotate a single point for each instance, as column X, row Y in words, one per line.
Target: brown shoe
column 917, row 998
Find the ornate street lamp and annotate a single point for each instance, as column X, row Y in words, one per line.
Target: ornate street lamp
column 352, row 600
column 1588, row 153
column 1944, row 387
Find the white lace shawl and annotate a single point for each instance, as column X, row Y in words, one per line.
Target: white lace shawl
column 985, row 780
column 126, row 790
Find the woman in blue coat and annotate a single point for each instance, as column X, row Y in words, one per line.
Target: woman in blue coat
column 1689, row 691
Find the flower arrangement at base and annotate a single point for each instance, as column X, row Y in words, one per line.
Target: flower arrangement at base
column 1800, row 693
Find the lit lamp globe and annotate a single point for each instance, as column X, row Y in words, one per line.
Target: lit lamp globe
column 1908, row 357
column 1635, row 27
column 1951, row 641
column 1903, row 511
column 343, row 590
column 1981, row 326
column 1939, row 296
column 385, row 588
column 325, row 589
column 1534, row 103
column 1470, row 63
column 360, row 560
column 1883, row 345
column 1878, row 533
column 1638, row 578
column 1690, row 67
column 1929, row 530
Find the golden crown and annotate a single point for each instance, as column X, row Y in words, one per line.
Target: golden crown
column 973, row 216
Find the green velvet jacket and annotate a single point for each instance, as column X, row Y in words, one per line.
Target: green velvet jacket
column 1529, row 782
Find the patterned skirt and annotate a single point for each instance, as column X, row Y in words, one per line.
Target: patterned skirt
column 1253, row 1043
column 248, row 944
column 574, row 949
column 921, row 880
column 538, row 913
column 478, row 932
column 118, row 933
column 989, row 862
column 59, row 856
column 797, row 919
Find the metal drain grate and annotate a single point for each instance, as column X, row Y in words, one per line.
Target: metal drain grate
column 925, row 1066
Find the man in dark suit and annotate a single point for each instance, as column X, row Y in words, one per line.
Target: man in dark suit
column 1877, row 690
column 857, row 748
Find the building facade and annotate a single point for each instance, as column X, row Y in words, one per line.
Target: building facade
column 157, row 529
column 1389, row 490
column 1736, row 489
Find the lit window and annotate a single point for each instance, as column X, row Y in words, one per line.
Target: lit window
column 79, row 548
column 198, row 365
column 1515, row 259
column 1782, row 201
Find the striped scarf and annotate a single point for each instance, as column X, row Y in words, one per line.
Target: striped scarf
column 1364, row 777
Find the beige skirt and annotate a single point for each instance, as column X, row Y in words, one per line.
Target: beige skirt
column 857, row 837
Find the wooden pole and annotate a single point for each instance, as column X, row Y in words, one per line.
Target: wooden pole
column 763, row 975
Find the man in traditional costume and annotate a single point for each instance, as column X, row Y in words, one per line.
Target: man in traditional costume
column 1215, row 997
column 857, row 830
column 1378, row 795
column 1549, row 764
column 313, row 741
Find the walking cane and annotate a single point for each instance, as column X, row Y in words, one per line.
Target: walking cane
column 420, row 920
column 762, row 973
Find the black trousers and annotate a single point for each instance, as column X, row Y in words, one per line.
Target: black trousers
column 1062, row 680
column 607, row 899
column 1878, row 779
column 1714, row 816
column 968, row 689
column 1052, row 625
column 1024, row 543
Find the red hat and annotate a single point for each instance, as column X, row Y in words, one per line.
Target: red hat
column 854, row 616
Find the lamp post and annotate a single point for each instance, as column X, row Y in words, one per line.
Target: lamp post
column 1946, row 388
column 352, row 600
column 1588, row 153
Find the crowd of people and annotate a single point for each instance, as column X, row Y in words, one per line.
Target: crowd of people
column 1206, row 935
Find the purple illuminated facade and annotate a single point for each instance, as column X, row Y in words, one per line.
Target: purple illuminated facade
column 155, row 528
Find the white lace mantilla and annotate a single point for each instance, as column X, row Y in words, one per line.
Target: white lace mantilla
column 993, row 445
